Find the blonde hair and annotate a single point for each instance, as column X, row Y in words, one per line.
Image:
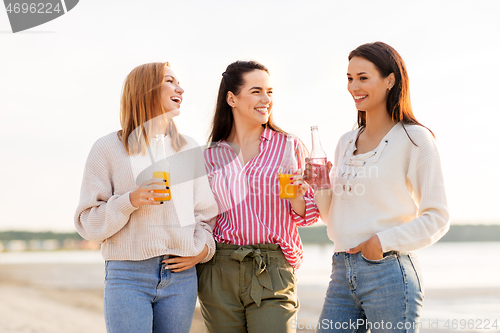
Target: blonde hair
column 141, row 103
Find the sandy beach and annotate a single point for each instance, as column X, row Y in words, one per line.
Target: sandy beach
column 67, row 298
column 55, row 298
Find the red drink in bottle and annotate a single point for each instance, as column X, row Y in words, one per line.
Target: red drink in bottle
column 318, row 160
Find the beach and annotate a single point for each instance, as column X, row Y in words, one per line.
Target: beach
column 63, row 292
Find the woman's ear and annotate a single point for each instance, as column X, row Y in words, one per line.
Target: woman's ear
column 230, row 99
column 391, row 81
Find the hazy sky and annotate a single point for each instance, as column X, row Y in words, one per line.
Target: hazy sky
column 60, row 84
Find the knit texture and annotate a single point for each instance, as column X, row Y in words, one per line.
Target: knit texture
column 181, row 226
column 395, row 191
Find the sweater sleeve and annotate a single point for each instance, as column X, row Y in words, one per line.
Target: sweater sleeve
column 100, row 214
column 205, row 208
column 426, row 181
column 323, row 197
column 312, row 213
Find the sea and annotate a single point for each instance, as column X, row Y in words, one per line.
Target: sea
column 462, row 282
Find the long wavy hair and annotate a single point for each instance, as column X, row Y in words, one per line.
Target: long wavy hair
column 140, row 103
column 233, row 80
column 387, row 60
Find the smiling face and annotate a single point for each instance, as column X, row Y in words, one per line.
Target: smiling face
column 254, row 102
column 171, row 93
column 366, row 86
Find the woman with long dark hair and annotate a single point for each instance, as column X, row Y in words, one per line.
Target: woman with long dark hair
column 387, row 199
column 249, row 285
column 150, row 246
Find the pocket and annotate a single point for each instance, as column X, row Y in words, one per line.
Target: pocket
column 199, row 270
column 106, row 270
column 386, row 258
column 287, row 278
column 418, row 271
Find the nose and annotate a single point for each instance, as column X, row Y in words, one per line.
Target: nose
column 266, row 99
column 179, row 89
column 352, row 86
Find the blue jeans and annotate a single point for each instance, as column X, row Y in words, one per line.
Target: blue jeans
column 383, row 295
column 143, row 296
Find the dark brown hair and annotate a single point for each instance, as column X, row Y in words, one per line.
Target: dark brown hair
column 387, row 60
column 233, row 80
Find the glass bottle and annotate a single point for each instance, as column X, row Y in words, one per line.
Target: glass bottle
column 288, row 168
column 317, row 158
column 161, row 167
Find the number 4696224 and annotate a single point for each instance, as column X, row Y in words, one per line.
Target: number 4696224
column 477, row 324
column 39, row 8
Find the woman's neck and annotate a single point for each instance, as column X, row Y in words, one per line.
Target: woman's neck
column 378, row 124
column 242, row 134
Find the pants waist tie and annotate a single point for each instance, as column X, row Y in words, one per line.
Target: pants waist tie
column 260, row 278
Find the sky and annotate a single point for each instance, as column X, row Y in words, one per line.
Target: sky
column 60, row 85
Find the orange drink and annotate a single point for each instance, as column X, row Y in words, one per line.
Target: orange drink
column 166, row 176
column 287, row 191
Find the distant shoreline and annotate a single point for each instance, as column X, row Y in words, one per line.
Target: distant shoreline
column 15, row 240
column 457, row 233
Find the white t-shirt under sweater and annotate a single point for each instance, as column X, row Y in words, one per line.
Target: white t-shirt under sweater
column 395, row 191
column 181, row 226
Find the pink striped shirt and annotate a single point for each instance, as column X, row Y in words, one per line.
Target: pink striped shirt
column 250, row 211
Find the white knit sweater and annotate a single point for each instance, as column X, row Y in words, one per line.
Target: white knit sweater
column 395, row 191
column 181, row 226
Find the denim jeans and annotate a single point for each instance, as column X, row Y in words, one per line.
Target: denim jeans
column 143, row 296
column 383, row 295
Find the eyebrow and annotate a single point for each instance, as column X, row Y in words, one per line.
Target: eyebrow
column 360, row 73
column 259, row 88
column 173, row 77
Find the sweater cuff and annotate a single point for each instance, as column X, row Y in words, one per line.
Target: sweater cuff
column 385, row 240
column 211, row 249
column 125, row 205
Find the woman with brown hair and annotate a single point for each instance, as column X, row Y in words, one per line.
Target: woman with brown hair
column 387, row 199
column 150, row 246
column 249, row 285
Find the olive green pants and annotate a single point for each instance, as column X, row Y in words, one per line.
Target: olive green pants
column 247, row 288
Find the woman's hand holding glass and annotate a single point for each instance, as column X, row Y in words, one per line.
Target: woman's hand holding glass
column 302, row 186
column 310, row 175
column 145, row 196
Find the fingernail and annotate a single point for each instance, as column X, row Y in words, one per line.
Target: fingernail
column 166, row 194
column 291, row 178
column 168, row 188
column 291, row 183
column 161, row 202
column 164, row 180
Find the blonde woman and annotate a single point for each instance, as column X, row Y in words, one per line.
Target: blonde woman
column 150, row 247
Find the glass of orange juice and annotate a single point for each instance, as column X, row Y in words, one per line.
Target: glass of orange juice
column 164, row 175
column 288, row 168
column 161, row 167
column 287, row 191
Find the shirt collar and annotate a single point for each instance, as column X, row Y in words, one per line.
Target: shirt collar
column 266, row 135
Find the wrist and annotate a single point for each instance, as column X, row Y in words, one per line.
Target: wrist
column 131, row 198
column 297, row 200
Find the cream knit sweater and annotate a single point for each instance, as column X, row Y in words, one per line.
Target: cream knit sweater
column 395, row 191
column 181, row 226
